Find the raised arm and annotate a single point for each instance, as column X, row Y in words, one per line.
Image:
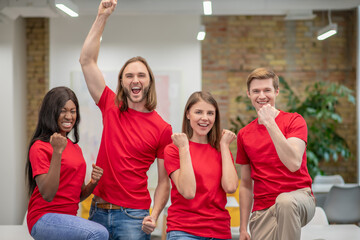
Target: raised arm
column 90, row 51
column 229, row 178
column 184, row 177
column 291, row 150
column 245, row 199
column 48, row 183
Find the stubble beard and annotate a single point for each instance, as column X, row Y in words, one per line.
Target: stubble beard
column 128, row 96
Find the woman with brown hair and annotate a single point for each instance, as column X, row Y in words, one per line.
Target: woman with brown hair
column 202, row 171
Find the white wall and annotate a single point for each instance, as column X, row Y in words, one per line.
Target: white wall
column 167, row 42
column 13, row 121
column 20, row 114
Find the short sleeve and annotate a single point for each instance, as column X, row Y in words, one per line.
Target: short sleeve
column 165, row 139
column 40, row 158
column 297, row 128
column 241, row 156
column 171, row 158
column 107, row 99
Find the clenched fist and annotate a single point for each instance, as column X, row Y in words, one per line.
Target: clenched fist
column 96, row 174
column 107, row 7
column 180, row 140
column 58, row 142
column 267, row 114
column 227, row 137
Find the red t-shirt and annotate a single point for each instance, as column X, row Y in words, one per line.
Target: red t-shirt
column 271, row 177
column 131, row 141
column 204, row 215
column 72, row 175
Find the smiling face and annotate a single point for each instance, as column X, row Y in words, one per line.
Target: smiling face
column 202, row 117
column 67, row 117
column 262, row 92
column 135, row 82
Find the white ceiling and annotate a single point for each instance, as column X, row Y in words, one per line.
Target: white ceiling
column 45, row 8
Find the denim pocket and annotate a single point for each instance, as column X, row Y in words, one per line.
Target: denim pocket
column 91, row 212
column 136, row 213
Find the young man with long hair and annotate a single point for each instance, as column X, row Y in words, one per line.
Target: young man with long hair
column 133, row 136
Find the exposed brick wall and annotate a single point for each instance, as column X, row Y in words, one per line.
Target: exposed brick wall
column 37, row 73
column 235, row 45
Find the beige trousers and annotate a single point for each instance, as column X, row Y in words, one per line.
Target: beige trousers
column 283, row 220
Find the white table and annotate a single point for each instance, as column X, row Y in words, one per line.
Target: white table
column 330, row 232
column 14, row 232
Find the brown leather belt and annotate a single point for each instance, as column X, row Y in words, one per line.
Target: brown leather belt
column 107, row 206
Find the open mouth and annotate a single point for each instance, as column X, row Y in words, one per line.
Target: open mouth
column 136, row 90
column 203, row 124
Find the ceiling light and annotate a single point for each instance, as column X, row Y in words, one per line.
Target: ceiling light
column 294, row 15
column 207, row 7
column 68, row 7
column 201, row 34
column 328, row 30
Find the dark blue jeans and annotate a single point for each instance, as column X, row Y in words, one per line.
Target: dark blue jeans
column 122, row 224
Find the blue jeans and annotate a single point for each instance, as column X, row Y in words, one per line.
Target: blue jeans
column 180, row 235
column 122, row 224
column 55, row 226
